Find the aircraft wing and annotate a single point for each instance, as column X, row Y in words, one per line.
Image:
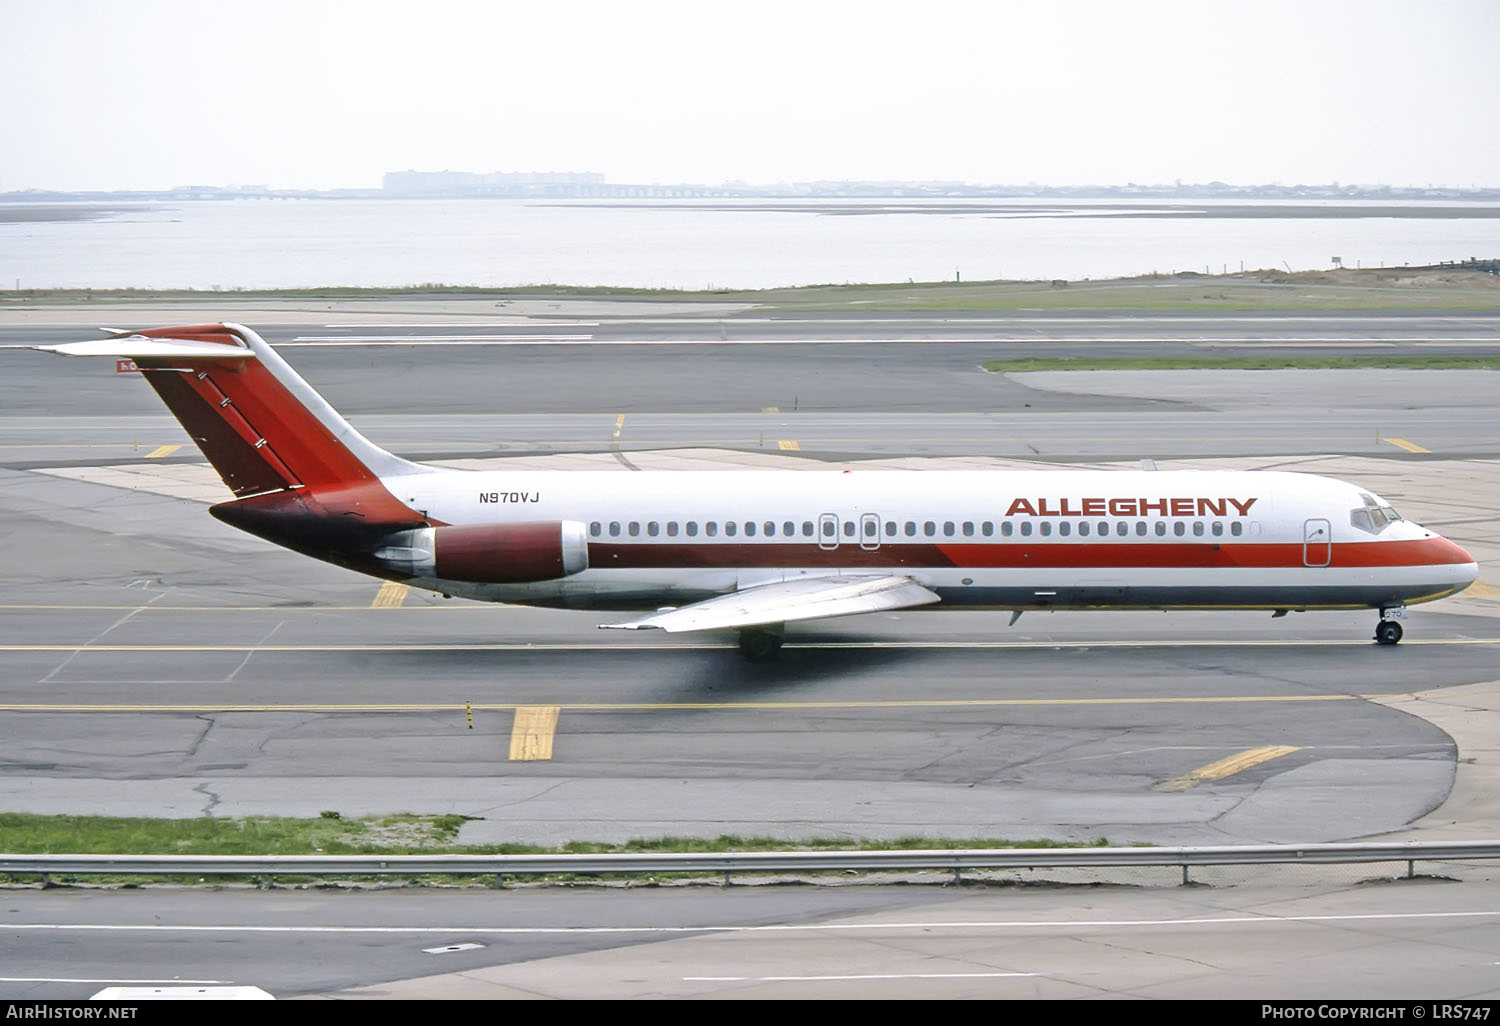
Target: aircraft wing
column 806, row 598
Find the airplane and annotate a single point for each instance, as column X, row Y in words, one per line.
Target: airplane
column 754, row 551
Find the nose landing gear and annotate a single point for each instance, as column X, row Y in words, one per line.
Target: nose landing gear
column 1388, row 631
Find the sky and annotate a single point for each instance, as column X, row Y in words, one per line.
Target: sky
column 151, row 94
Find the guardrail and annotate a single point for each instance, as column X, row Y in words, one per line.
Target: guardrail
column 728, row 863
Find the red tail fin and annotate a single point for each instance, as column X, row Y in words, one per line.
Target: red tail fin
column 303, row 476
column 261, row 425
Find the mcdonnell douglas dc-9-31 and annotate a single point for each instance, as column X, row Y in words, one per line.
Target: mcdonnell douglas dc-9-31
column 753, row 551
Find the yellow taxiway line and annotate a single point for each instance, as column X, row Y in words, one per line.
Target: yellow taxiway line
column 1402, row 443
column 1227, row 767
column 531, row 734
column 689, row 646
column 614, row 707
column 162, row 450
column 390, row 595
column 788, row 445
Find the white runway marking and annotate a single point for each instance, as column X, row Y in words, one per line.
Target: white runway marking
column 431, row 340
column 975, row 336
column 863, row 976
column 107, row 979
column 455, row 325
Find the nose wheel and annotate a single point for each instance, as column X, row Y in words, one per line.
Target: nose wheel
column 1388, row 632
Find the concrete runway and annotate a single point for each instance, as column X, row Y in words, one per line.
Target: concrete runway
column 156, row 662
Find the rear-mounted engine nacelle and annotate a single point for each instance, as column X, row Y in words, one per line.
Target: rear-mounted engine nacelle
column 490, row 553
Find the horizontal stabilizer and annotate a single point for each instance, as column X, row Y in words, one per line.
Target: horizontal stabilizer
column 139, row 347
column 806, row 598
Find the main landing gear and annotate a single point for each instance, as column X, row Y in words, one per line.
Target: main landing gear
column 762, row 644
column 1388, row 631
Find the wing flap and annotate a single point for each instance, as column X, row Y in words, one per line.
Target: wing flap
column 806, row 598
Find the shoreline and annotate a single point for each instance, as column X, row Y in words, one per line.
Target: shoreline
column 1448, row 289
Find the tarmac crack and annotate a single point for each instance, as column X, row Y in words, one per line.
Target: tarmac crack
column 214, row 799
column 209, row 723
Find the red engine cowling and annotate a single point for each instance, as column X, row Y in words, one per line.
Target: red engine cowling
column 490, row 553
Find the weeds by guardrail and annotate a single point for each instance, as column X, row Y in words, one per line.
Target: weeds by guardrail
column 730, row 863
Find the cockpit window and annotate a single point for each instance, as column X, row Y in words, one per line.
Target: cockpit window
column 1373, row 516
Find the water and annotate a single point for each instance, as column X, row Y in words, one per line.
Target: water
column 699, row 244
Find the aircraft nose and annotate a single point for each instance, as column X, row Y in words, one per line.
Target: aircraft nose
column 1465, row 567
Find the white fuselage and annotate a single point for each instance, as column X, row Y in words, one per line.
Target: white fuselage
column 1015, row 540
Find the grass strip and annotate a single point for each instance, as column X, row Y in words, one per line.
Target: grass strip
column 1385, row 289
column 332, row 834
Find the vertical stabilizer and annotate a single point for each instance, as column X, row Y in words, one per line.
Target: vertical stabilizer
column 257, row 421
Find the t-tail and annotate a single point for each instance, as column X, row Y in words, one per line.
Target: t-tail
column 302, row 476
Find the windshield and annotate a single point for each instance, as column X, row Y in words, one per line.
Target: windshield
column 1374, row 515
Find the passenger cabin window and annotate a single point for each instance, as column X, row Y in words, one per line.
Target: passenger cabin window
column 911, row 529
column 596, row 529
column 731, row 528
column 1046, row 528
column 930, row 529
column 807, row 529
column 614, row 529
column 634, row 529
column 750, row 529
column 711, row 528
column 1064, row 528
column 671, row 529
column 653, row 528
column 890, row 529
column 692, row 528
column 987, row 529
column 1007, row 529
column 1026, row 527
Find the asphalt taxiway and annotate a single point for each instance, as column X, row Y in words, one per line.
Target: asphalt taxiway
column 156, row 662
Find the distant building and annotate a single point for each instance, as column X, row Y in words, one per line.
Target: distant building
column 499, row 183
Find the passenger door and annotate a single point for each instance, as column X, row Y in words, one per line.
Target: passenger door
column 1317, row 542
